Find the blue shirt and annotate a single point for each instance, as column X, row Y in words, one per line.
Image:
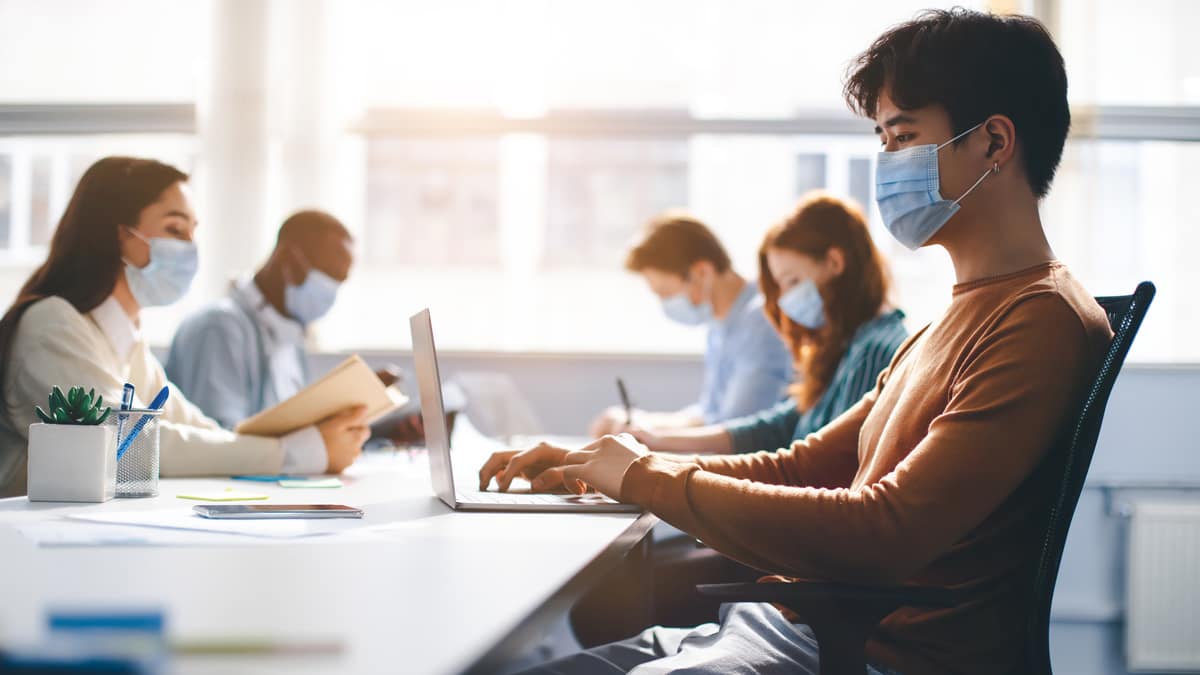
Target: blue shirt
column 238, row 356
column 870, row 351
column 747, row 368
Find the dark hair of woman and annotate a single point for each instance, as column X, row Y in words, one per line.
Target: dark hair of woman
column 84, row 261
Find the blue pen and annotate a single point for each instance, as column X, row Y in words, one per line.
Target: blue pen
column 157, row 404
column 126, row 404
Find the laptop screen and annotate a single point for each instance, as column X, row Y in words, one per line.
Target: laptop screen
column 433, row 412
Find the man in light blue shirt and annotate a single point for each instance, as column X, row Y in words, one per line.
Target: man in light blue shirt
column 245, row 353
column 747, row 368
column 746, row 365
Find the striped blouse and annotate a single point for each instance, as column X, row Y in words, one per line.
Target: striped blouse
column 870, row 351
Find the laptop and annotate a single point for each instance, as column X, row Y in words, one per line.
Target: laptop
column 437, row 439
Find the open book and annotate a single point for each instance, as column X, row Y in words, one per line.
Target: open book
column 351, row 383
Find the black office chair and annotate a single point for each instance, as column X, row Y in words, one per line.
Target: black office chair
column 843, row 616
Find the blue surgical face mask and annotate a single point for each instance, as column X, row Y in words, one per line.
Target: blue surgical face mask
column 680, row 308
column 907, row 190
column 802, row 303
column 168, row 275
column 312, row 299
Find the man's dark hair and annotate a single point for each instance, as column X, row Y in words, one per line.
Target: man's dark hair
column 303, row 226
column 974, row 65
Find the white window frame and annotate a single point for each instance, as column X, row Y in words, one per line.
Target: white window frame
column 23, row 125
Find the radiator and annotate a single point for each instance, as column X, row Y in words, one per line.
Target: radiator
column 1162, row 630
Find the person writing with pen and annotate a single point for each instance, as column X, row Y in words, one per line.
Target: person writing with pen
column 123, row 244
column 746, row 366
column 825, row 291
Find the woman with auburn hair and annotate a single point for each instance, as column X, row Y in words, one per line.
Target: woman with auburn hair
column 825, row 289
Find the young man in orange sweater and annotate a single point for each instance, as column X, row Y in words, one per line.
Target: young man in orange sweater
column 939, row 475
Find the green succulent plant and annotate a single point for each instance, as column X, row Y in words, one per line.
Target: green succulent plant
column 76, row 407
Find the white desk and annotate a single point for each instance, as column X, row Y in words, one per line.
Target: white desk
column 424, row 590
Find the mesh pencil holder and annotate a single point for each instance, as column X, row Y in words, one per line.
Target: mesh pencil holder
column 137, row 449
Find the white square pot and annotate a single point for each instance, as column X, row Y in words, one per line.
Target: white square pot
column 72, row 463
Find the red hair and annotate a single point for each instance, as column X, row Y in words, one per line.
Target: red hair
column 822, row 222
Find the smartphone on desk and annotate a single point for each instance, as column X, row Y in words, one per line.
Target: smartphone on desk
column 260, row 511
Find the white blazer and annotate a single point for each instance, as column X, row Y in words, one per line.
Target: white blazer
column 56, row 345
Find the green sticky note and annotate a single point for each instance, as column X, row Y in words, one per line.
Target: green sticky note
column 226, row 495
column 311, row 483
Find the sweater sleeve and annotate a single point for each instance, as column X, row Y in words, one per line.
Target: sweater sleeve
column 193, row 444
column 828, row 457
column 768, row 430
column 1003, row 410
column 54, row 347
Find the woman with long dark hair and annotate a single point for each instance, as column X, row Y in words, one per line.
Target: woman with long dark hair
column 125, row 243
column 825, row 290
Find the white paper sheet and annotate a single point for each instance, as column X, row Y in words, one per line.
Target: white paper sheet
column 63, row 533
column 185, row 519
column 69, row 532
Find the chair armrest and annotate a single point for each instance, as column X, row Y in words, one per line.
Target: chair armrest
column 797, row 592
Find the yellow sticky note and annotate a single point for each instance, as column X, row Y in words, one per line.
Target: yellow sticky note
column 226, row 495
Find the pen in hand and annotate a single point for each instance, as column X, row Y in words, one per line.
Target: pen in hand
column 625, row 402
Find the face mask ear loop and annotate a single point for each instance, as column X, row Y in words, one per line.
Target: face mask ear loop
column 992, row 171
column 959, row 136
column 137, row 234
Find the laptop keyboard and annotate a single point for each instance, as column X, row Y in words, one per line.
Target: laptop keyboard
column 508, row 498
column 531, row 498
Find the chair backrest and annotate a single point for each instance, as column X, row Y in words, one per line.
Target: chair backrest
column 1125, row 314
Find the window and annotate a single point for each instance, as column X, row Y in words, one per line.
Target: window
column 600, row 191
column 599, row 115
column 810, row 172
column 44, row 199
column 495, row 159
column 85, row 80
column 733, row 110
column 1121, row 212
column 1130, row 53
column 433, row 202
column 38, row 174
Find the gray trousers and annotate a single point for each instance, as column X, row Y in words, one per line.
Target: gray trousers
column 752, row 638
